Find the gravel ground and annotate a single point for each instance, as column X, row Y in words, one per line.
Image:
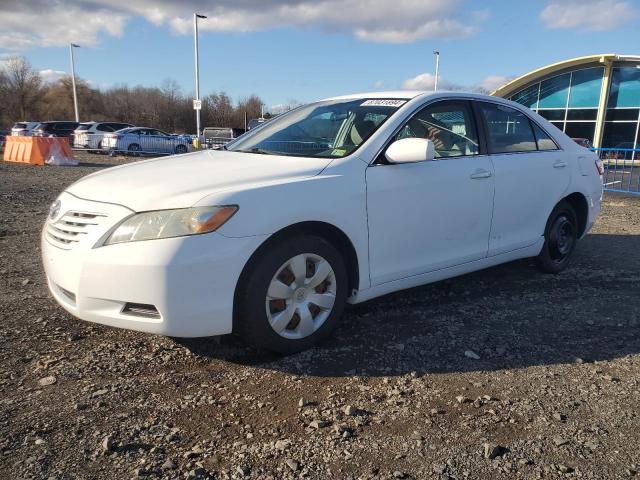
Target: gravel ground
column 504, row 373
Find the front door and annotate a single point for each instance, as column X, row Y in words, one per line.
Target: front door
column 435, row 214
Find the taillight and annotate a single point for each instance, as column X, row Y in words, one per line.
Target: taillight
column 600, row 167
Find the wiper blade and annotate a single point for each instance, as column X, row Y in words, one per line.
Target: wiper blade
column 260, row 151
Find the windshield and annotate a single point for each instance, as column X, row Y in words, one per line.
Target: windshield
column 334, row 128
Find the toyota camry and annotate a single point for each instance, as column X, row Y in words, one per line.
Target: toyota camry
column 337, row 201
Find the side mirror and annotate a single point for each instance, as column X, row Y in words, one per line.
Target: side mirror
column 410, row 150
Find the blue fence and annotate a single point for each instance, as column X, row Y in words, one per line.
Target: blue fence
column 621, row 169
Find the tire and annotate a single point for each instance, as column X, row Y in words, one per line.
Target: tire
column 560, row 239
column 301, row 323
column 181, row 149
column 133, row 149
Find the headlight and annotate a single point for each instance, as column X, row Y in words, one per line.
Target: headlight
column 171, row 223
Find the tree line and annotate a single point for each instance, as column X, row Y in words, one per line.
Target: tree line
column 24, row 96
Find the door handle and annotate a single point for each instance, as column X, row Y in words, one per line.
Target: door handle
column 479, row 174
column 559, row 164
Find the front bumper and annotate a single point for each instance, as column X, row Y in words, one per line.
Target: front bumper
column 189, row 280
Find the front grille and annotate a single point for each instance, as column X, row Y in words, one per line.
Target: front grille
column 72, row 227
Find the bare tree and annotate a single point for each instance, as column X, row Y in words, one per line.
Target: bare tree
column 24, row 97
column 22, row 88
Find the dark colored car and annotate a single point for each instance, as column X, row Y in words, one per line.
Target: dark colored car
column 3, row 137
column 583, row 142
column 55, row 129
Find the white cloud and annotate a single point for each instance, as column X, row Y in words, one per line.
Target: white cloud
column 32, row 23
column 51, row 76
column 590, row 15
column 426, row 81
column 41, row 23
column 492, row 82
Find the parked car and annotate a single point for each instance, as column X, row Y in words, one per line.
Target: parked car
column 55, row 129
column 342, row 200
column 583, row 142
column 89, row 135
column 216, row 137
column 23, row 129
column 254, row 122
column 3, row 137
column 137, row 140
column 621, row 151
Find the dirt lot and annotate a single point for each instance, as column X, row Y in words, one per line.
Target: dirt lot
column 553, row 390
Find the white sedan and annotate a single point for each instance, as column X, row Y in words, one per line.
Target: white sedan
column 337, row 201
column 143, row 140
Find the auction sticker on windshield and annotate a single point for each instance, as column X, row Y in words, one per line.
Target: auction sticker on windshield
column 383, row 103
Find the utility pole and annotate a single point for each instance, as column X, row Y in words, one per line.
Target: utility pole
column 437, row 54
column 196, row 16
column 73, row 80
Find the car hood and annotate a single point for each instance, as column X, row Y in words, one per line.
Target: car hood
column 180, row 181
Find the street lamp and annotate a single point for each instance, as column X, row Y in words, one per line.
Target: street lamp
column 437, row 54
column 73, row 80
column 197, row 103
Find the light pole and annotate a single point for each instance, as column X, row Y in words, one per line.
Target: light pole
column 73, row 80
column 437, row 54
column 196, row 16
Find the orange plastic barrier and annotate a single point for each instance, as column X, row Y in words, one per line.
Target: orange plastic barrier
column 33, row 150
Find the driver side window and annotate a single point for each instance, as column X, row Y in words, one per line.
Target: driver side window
column 449, row 125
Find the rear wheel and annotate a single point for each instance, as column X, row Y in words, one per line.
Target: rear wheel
column 293, row 296
column 560, row 239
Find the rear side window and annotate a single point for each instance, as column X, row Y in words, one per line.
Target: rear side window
column 104, row 127
column 543, row 139
column 508, row 130
column 448, row 124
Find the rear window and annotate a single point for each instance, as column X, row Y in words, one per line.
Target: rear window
column 20, row 125
column 84, row 126
column 125, row 130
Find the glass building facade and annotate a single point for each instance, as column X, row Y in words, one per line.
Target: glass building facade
column 570, row 99
column 623, row 109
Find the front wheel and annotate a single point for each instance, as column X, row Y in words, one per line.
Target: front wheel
column 134, row 149
column 181, row 149
column 293, row 296
column 560, row 239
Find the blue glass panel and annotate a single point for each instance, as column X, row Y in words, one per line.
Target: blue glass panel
column 527, row 97
column 625, row 87
column 585, row 87
column 553, row 92
column 619, row 135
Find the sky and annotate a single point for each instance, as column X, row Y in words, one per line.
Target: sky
column 301, row 50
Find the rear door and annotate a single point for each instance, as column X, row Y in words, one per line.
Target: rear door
column 531, row 176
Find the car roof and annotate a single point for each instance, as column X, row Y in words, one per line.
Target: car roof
column 404, row 94
column 411, row 94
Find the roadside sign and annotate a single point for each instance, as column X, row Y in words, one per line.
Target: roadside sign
column 197, row 104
